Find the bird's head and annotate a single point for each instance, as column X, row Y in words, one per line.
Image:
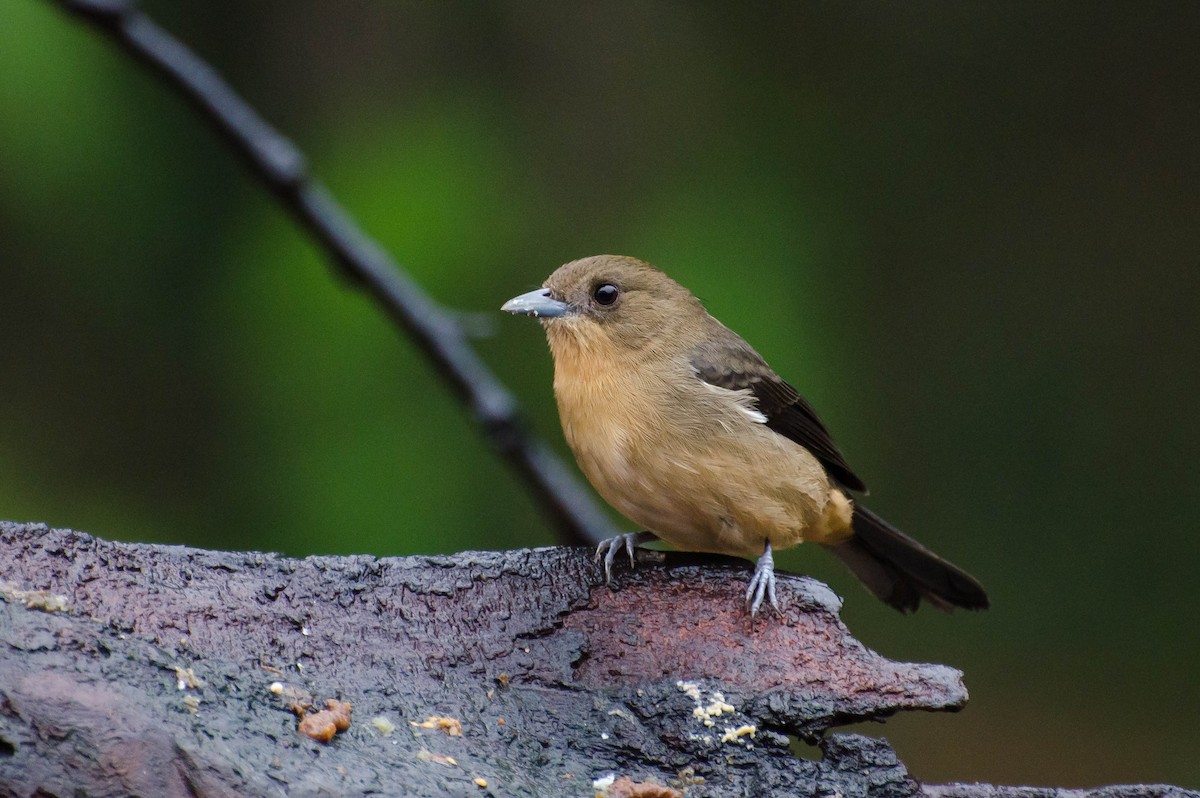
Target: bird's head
column 613, row 299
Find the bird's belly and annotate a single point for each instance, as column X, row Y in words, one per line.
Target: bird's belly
column 729, row 495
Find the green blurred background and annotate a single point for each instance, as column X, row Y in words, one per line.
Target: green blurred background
column 970, row 233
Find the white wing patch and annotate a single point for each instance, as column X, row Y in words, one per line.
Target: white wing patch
column 743, row 399
column 754, row 415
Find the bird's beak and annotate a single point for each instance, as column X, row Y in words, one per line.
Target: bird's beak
column 536, row 303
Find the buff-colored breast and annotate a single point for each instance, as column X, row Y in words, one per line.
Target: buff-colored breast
column 685, row 460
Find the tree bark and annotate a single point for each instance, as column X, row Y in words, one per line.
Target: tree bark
column 134, row 669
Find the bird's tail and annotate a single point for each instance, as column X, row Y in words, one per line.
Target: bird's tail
column 901, row 572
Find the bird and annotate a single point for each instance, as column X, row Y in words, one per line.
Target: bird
column 682, row 426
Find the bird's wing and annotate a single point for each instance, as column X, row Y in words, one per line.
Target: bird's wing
column 731, row 363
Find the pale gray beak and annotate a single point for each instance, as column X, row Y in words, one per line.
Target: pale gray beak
column 536, row 303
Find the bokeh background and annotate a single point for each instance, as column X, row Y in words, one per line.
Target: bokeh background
column 970, row 233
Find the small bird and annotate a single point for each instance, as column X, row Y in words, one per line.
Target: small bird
column 683, row 427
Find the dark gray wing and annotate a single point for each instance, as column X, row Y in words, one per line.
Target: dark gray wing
column 729, row 362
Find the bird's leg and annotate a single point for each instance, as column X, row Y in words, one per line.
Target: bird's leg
column 762, row 584
column 608, row 549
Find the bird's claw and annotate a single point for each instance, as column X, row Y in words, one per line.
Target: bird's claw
column 608, row 550
column 762, row 584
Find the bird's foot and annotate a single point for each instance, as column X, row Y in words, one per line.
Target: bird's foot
column 608, row 549
column 762, row 584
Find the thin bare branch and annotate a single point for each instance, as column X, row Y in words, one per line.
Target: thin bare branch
column 282, row 168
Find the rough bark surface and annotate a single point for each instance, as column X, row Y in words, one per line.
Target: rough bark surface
column 554, row 679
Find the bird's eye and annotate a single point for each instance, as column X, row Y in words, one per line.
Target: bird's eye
column 606, row 294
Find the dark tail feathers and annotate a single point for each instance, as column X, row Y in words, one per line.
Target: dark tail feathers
column 901, row 572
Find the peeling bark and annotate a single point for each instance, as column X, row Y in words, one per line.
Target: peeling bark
column 553, row 678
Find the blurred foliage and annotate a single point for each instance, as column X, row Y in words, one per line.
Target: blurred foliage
column 969, row 233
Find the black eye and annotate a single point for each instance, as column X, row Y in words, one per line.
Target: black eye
column 606, row 294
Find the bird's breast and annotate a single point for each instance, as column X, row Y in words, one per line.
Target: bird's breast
column 684, row 461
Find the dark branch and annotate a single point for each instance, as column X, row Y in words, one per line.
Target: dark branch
column 134, row 669
column 554, row 678
column 282, row 168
